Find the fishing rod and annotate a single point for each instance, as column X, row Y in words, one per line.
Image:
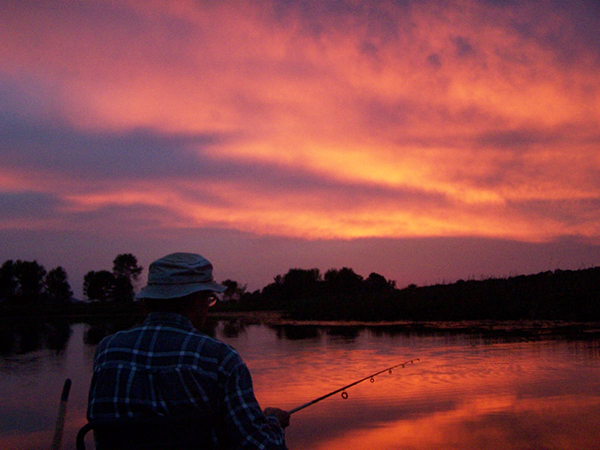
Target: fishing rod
column 343, row 389
column 62, row 412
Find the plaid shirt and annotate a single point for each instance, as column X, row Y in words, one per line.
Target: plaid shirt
column 166, row 367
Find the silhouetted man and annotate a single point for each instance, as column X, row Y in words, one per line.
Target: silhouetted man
column 166, row 367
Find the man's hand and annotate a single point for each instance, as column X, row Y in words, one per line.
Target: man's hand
column 282, row 416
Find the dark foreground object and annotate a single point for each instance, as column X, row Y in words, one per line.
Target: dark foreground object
column 149, row 434
column 62, row 412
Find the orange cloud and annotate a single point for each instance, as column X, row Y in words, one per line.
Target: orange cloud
column 455, row 120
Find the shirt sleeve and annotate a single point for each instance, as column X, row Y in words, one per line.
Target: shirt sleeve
column 247, row 426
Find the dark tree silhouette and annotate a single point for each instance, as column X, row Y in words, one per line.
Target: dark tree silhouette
column 126, row 265
column 234, row 291
column 8, row 281
column 286, row 290
column 300, row 283
column 98, row 285
column 58, row 288
column 126, row 272
column 343, row 281
column 378, row 283
column 30, row 280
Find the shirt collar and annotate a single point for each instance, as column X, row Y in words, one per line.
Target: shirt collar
column 171, row 319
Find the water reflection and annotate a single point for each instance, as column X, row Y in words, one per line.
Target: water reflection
column 469, row 391
column 299, row 332
column 350, row 333
column 231, row 328
column 295, row 333
column 98, row 329
column 19, row 337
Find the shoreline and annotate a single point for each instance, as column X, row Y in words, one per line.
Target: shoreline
column 530, row 329
column 524, row 328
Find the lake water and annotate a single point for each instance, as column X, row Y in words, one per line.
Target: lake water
column 466, row 392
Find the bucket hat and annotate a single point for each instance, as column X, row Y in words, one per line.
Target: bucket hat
column 179, row 274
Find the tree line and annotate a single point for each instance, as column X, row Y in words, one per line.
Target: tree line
column 27, row 283
column 307, row 293
column 116, row 285
column 344, row 295
column 337, row 294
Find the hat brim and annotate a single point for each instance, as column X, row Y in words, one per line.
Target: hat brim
column 167, row 291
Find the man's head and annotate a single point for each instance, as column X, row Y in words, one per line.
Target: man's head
column 180, row 282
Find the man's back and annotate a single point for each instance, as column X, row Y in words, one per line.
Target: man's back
column 166, row 367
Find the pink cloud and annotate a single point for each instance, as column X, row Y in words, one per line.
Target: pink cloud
column 304, row 120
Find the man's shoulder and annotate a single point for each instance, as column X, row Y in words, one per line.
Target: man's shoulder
column 150, row 335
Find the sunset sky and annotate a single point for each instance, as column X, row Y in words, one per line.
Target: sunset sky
column 426, row 141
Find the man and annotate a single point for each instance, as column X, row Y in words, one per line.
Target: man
column 166, row 367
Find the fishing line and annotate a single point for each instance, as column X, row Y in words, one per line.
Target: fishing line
column 371, row 378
